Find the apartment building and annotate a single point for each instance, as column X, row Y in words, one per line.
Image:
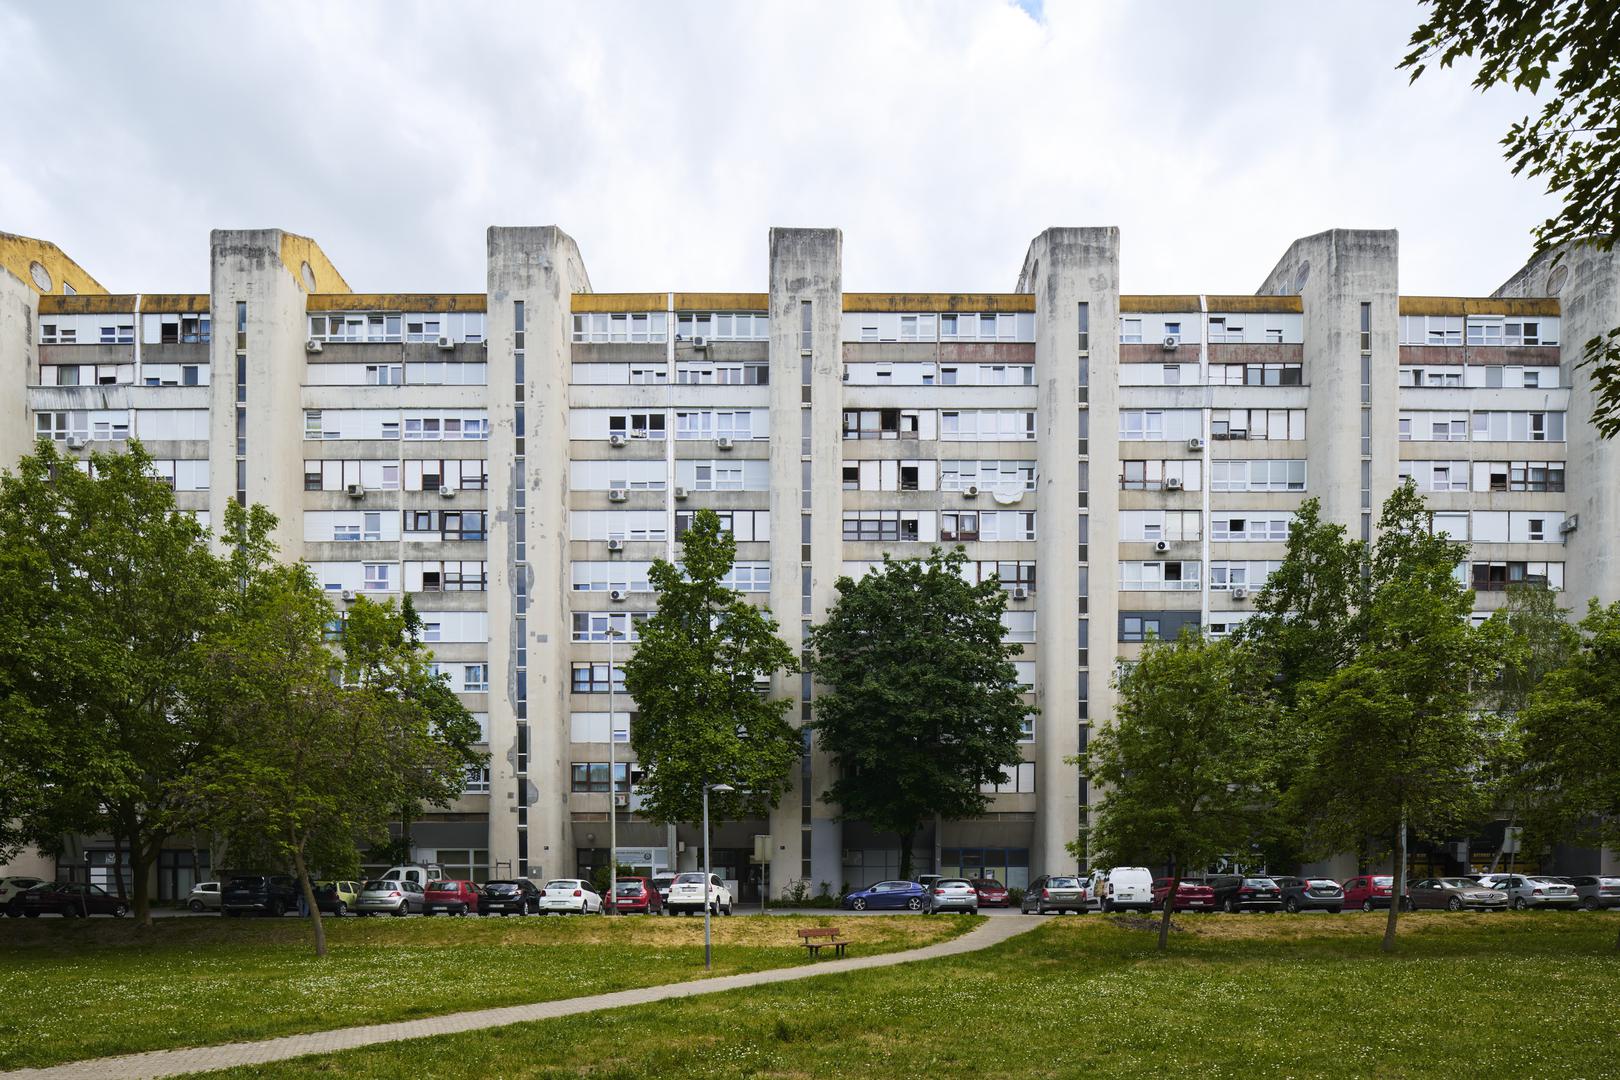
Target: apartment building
column 514, row 459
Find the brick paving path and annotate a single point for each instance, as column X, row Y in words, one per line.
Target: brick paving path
column 157, row 1063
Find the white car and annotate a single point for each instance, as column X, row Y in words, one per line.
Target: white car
column 568, row 896
column 1124, row 888
column 686, row 895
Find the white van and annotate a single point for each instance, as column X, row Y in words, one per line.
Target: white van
column 1123, row 888
column 419, row 874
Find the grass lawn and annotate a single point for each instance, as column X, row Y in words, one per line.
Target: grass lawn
column 88, row 988
column 1531, row 994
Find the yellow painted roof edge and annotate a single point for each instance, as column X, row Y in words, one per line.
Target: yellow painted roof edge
column 1478, row 305
column 18, row 253
column 970, row 303
column 424, row 302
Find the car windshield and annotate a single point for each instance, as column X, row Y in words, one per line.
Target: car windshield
column 1263, row 882
column 957, row 883
column 688, row 879
column 378, row 885
column 628, row 888
column 246, row 882
column 1062, row 883
column 1383, row 881
column 987, row 883
column 1459, row 883
column 559, row 884
column 1323, row 883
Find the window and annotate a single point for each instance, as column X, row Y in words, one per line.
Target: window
column 592, row 626
column 1497, row 576
column 1152, row 475
column 474, row 678
column 1263, row 526
column 1017, row 779
column 1264, row 374
column 588, row 677
column 1138, row 628
column 1265, row 474
column 1157, row 576
column 589, row 778
column 986, row 425
column 1240, row 575
column 1518, row 427
column 379, row 577
column 1173, row 526
column 1130, row 331
column 1160, row 425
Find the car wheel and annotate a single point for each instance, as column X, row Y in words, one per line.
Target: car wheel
column 1454, row 904
column 858, row 904
column 277, row 910
column 399, row 912
column 340, row 910
column 1367, row 905
column 195, row 905
column 1519, row 903
column 120, row 910
column 914, row 904
column 1230, row 906
column 1291, row 906
column 1589, row 904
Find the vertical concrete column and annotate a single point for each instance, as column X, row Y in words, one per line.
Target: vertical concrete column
column 806, row 267
column 1334, row 273
column 542, row 268
column 1065, row 268
column 247, row 265
column 19, row 367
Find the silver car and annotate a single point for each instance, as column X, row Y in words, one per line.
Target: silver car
column 204, row 896
column 1535, row 892
column 951, row 894
column 386, row 897
column 1057, row 894
column 1597, row 891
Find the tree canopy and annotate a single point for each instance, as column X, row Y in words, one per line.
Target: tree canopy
column 922, row 704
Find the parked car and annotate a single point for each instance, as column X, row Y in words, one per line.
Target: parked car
column 887, row 895
column 1191, row 895
column 1055, row 893
column 662, row 882
column 417, row 872
column 1454, row 894
column 1310, row 894
column 992, row 893
column 636, row 894
column 269, row 894
column 71, row 899
column 513, row 896
column 686, row 895
column 927, row 880
column 1369, row 891
column 1597, row 892
column 389, row 896
column 569, row 896
column 204, row 896
column 336, row 897
column 11, row 890
column 951, row 894
column 1123, row 888
column 1536, row 892
column 455, row 897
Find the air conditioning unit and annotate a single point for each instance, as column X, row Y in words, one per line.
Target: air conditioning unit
column 313, row 345
column 1020, row 593
column 971, row 491
column 1195, row 444
column 618, row 596
column 1162, row 545
column 1569, row 525
column 617, row 494
column 700, row 342
column 1172, row 484
column 621, row 799
column 75, row 442
column 617, row 440
column 681, row 493
column 724, row 442
column 446, row 492
column 446, row 342
column 355, row 491
column 1172, row 342
column 1240, row 593
column 347, row 594
column 615, row 544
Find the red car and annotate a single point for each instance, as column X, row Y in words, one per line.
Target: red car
column 992, row 893
column 452, row 897
column 636, row 894
column 1190, row 895
column 1369, row 891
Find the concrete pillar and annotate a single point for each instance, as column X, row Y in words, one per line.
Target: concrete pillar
column 806, row 268
column 540, row 267
column 19, row 367
column 1064, row 268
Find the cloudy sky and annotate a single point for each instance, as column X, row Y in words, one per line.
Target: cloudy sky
column 667, row 137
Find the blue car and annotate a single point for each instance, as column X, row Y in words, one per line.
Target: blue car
column 887, row 895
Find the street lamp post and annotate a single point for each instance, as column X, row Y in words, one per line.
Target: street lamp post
column 613, row 781
column 708, row 905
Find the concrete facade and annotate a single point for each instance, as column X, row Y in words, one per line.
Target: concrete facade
column 514, row 458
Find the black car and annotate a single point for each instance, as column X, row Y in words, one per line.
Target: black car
column 272, row 894
column 1310, row 894
column 1234, row 893
column 71, row 899
column 514, row 896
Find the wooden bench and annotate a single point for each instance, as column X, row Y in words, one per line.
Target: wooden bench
column 815, row 938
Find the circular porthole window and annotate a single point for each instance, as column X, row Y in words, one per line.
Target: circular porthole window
column 1555, row 282
column 308, row 275
column 1302, row 275
column 41, row 276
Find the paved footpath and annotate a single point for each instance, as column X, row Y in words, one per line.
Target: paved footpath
column 230, row 1055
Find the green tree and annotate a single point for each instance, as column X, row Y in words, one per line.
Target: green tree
column 696, row 677
column 1573, row 143
column 1570, row 733
column 106, row 593
column 923, row 704
column 1536, row 638
column 323, row 747
column 1391, row 743
column 1183, row 767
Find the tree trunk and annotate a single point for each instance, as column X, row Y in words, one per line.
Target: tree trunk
column 309, row 899
column 140, row 865
column 118, row 864
column 1399, row 889
column 1169, row 906
column 906, row 839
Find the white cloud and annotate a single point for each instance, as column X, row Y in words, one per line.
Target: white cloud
column 668, row 138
